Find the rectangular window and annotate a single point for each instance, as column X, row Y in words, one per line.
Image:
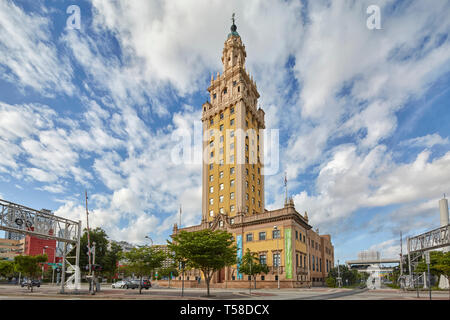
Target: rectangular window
column 276, row 260
column 221, row 186
column 211, row 201
column 296, row 235
column 210, row 166
column 212, row 154
column 249, row 237
column 263, row 259
column 232, row 146
column 232, row 159
column 313, row 264
column 232, row 133
column 221, row 116
column 221, row 127
column 232, row 170
column 276, row 234
column 262, row 236
column 231, row 122
column 221, row 199
column 211, row 178
column 221, row 162
column 211, row 144
column 221, row 210
column 232, row 209
column 232, row 195
column 214, row 95
column 231, row 183
column 211, row 213
column 232, row 110
column 211, row 189
column 221, row 174
column 232, row 219
column 211, row 121
column 221, row 138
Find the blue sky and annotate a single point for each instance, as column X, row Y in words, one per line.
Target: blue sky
column 363, row 115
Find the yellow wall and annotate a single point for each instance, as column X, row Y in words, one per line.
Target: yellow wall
column 215, row 172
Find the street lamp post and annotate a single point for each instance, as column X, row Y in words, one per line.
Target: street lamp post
column 43, row 252
column 278, row 258
column 147, row 237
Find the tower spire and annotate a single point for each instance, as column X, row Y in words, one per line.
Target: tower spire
column 233, row 26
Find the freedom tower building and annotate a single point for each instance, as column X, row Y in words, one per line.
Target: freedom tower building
column 233, row 187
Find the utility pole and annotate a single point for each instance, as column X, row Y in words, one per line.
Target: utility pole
column 90, row 274
column 427, row 260
column 94, row 282
column 401, row 254
column 339, row 277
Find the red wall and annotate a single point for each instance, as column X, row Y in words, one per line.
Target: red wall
column 35, row 246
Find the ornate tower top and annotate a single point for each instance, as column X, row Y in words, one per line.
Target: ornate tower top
column 233, row 28
column 234, row 50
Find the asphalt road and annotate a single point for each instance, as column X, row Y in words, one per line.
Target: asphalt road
column 49, row 292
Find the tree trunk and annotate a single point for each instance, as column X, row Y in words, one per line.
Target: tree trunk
column 207, row 278
column 140, row 285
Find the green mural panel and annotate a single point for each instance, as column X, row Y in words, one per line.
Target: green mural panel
column 288, row 252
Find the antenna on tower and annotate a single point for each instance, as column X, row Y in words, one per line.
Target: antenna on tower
column 180, row 217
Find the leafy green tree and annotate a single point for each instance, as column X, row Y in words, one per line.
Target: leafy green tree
column 251, row 266
column 111, row 259
column 439, row 265
column 142, row 262
column 169, row 272
column 99, row 236
column 29, row 266
column 330, row 281
column 349, row 277
column 6, row 268
column 206, row 250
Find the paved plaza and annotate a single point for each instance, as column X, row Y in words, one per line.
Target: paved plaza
column 51, row 292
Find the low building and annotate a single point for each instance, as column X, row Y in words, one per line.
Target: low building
column 9, row 248
column 34, row 246
column 283, row 239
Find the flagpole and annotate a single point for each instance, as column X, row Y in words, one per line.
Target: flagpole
column 285, row 186
column 180, row 216
column 88, row 237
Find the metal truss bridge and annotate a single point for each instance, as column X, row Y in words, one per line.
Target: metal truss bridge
column 19, row 219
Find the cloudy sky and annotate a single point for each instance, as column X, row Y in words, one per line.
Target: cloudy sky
column 363, row 114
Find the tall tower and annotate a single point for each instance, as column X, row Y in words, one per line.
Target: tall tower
column 233, row 181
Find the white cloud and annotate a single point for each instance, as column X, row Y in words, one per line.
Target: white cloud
column 27, row 56
column 427, row 141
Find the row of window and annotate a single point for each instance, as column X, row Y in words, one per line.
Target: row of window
column 314, row 244
column 299, row 236
column 262, row 235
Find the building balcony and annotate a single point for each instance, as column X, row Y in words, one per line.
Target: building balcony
column 274, row 270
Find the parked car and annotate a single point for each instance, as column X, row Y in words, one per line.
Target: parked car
column 32, row 283
column 134, row 284
column 119, row 284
